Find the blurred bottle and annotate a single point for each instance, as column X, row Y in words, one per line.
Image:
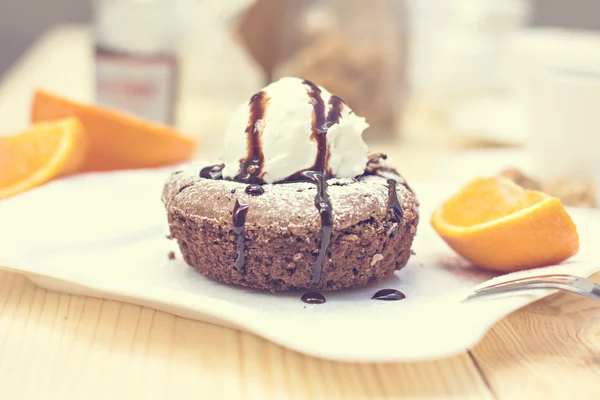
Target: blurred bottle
column 136, row 58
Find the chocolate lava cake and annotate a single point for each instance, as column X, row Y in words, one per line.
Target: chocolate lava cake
column 297, row 202
column 323, row 235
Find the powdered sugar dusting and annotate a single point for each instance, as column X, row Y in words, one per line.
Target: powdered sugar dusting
column 285, row 206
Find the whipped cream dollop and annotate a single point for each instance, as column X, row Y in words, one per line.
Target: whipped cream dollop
column 291, row 126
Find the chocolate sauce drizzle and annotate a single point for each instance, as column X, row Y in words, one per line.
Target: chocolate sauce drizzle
column 376, row 167
column 394, row 207
column 254, row 190
column 318, row 173
column 251, row 166
column 320, row 126
column 323, row 204
column 389, row 295
column 313, row 298
column 335, row 111
column 212, row 172
column 181, row 189
column 240, row 211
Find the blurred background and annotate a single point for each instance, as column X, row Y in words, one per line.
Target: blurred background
column 430, row 76
column 462, row 59
column 22, row 22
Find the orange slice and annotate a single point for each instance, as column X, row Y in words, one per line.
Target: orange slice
column 496, row 224
column 41, row 153
column 117, row 141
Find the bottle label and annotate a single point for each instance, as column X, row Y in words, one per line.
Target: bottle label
column 141, row 85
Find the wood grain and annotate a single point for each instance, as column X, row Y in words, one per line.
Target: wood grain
column 55, row 345
column 550, row 350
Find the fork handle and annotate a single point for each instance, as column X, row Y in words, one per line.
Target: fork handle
column 593, row 294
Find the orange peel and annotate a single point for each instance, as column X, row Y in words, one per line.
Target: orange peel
column 497, row 225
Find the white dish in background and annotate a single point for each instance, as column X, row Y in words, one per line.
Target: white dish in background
column 463, row 167
column 104, row 235
column 501, row 119
column 505, row 114
column 565, row 121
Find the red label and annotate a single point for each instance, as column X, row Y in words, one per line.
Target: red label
column 144, row 86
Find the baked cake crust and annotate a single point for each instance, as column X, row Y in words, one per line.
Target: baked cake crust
column 282, row 234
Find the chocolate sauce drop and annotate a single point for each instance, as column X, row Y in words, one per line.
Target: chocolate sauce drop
column 254, row 190
column 251, row 166
column 389, row 295
column 313, row 298
column 212, row 172
column 323, row 204
column 240, row 211
column 394, row 207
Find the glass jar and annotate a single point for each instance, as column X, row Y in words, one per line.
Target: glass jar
column 356, row 49
column 135, row 57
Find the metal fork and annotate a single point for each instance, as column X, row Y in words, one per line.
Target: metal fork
column 569, row 283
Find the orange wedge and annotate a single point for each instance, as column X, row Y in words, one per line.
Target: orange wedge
column 496, row 224
column 39, row 154
column 116, row 141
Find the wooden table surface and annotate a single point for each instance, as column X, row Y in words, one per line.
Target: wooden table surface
column 61, row 346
